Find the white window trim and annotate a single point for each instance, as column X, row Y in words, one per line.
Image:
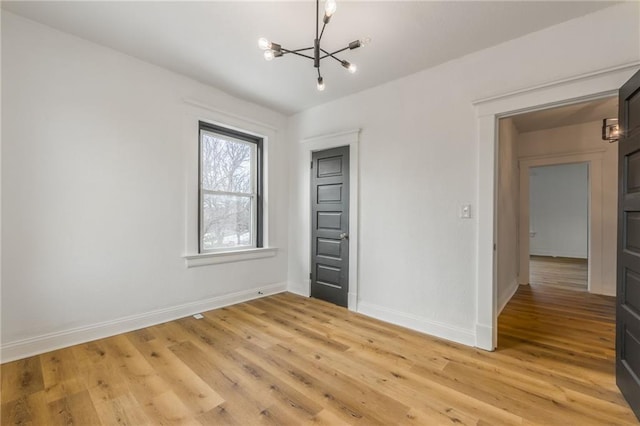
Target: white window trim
column 213, row 258
column 196, row 111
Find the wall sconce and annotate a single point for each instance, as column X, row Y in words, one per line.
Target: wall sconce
column 610, row 130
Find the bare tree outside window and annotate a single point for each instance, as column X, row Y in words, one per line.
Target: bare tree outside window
column 228, row 191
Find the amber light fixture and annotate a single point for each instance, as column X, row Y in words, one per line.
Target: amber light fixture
column 610, row 130
column 274, row 50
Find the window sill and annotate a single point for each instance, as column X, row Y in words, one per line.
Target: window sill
column 202, row 259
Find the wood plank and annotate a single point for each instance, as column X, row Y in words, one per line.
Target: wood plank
column 153, row 394
column 121, row 410
column 30, row 409
column 21, row 378
column 76, row 409
column 194, row 393
column 61, row 375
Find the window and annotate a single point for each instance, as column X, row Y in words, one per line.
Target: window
column 230, row 214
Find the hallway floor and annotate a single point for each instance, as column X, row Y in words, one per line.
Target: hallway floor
column 560, row 272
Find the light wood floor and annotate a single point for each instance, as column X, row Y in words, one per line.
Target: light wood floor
column 562, row 272
column 286, row 359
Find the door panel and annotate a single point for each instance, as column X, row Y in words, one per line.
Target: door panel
column 329, row 248
column 632, row 237
column 628, row 286
column 632, row 291
column 331, row 166
column 329, row 193
column 330, row 225
column 329, row 220
column 633, row 173
column 633, row 110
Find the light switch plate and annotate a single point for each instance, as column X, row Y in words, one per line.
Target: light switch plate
column 465, row 211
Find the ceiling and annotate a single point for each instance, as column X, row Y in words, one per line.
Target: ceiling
column 583, row 112
column 216, row 42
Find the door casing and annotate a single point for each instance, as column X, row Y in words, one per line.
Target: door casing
column 586, row 87
column 348, row 138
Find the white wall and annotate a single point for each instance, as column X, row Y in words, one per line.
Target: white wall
column 578, row 139
column 94, row 191
column 508, row 211
column 559, row 210
column 419, row 163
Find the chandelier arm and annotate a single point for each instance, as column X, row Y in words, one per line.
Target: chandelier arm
column 300, row 50
column 327, row 54
column 285, row 51
column 324, row 24
column 339, row 60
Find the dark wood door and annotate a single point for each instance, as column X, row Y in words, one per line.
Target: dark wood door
column 628, row 289
column 330, row 225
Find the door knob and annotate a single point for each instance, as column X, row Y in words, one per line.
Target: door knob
column 344, row 236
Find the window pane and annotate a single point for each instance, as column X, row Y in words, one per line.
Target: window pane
column 226, row 164
column 226, row 221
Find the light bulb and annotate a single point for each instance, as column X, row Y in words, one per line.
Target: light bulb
column 351, row 67
column 320, row 84
column 330, row 7
column 364, row 40
column 268, row 55
column 263, row 43
column 615, row 132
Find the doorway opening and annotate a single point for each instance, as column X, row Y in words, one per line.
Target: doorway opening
column 559, row 226
column 556, row 227
column 556, row 198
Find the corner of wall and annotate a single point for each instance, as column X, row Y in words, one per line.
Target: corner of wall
column 507, row 295
column 484, row 337
column 299, row 288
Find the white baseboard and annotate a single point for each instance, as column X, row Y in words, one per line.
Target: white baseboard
column 414, row 322
column 513, row 287
column 301, row 289
column 553, row 253
column 48, row 342
column 604, row 291
column 352, row 302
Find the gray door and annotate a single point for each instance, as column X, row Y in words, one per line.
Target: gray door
column 628, row 290
column 330, row 225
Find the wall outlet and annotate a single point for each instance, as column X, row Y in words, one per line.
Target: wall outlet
column 198, row 316
column 465, row 211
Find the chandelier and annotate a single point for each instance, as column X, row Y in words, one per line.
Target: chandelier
column 274, row 50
